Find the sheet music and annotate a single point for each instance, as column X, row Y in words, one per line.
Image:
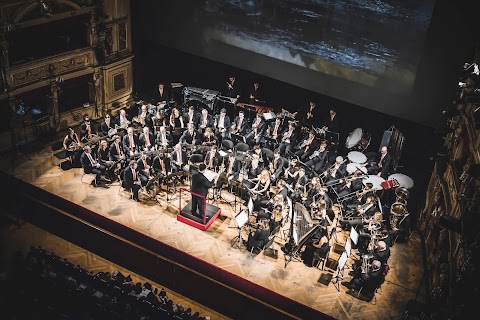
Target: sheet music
column 268, row 115
column 209, row 174
column 222, row 153
column 250, row 205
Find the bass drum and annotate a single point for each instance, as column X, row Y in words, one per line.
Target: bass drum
column 358, row 140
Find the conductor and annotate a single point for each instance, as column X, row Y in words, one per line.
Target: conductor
column 200, row 185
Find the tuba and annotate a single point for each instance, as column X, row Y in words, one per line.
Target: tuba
column 402, row 195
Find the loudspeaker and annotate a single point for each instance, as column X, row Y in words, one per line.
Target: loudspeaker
column 450, row 223
column 387, row 136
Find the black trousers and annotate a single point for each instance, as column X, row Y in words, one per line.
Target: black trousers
column 198, row 203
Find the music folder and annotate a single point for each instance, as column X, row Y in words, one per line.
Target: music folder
column 209, row 174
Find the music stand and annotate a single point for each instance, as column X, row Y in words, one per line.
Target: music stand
column 354, row 237
column 341, row 266
column 240, row 219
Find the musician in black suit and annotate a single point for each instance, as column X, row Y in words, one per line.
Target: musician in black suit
column 276, row 128
column 256, row 95
column 86, row 129
column 131, row 179
column 222, row 125
column 318, row 158
column 90, row 165
column 351, row 185
column 191, row 116
column 232, row 88
column 255, row 136
column 200, row 185
column 130, row 142
column 161, row 94
column 307, row 146
column 240, row 124
column 259, row 238
column 189, row 136
column 208, row 138
column 179, row 158
column 232, row 169
column 310, row 114
column 107, row 124
column 331, row 122
column 164, row 139
column 382, row 166
column 144, row 168
column 276, row 166
column 116, row 152
column 123, row 119
column 337, row 171
column 212, row 158
column 146, row 140
column 204, row 121
column 288, row 139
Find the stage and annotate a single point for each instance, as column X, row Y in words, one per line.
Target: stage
column 158, row 219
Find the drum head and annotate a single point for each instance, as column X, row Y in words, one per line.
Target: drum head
column 352, row 167
column 375, row 180
column 357, row 157
column 353, row 138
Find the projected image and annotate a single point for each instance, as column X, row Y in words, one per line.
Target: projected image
column 376, row 43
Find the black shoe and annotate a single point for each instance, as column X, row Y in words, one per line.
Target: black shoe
column 137, row 199
column 347, row 284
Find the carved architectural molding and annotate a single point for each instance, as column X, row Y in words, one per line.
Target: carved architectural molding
column 50, row 67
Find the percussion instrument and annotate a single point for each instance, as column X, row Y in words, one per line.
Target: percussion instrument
column 352, row 167
column 375, row 180
column 402, row 179
column 402, row 194
column 358, row 140
column 356, row 157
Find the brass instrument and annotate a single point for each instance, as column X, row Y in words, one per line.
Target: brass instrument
column 402, row 195
column 74, row 146
column 92, row 140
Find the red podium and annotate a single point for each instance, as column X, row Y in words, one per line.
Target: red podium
column 185, row 215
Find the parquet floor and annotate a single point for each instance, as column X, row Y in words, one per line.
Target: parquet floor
column 296, row 281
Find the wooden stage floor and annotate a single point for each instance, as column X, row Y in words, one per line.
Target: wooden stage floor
column 295, row 281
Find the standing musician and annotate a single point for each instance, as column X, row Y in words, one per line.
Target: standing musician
column 123, row 120
column 276, row 165
column 191, row 116
column 146, row 140
column 307, row 146
column 240, row 124
column 212, row 158
column 158, row 121
column 90, row 165
column 161, row 95
column 107, row 124
column 318, row 158
column 179, row 158
column 288, row 139
column 189, row 136
column 255, row 136
column 222, row 125
column 130, row 143
column 163, row 138
column 382, row 166
column 205, row 121
column 256, row 95
column 200, row 185
column 331, row 122
column 86, row 129
column 311, row 115
column 208, row 138
column 232, row 89
column 131, row 179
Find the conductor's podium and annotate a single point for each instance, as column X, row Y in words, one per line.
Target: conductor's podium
column 185, row 213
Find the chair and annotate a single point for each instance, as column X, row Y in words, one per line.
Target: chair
column 60, row 155
column 196, row 158
column 241, row 150
column 268, row 153
column 370, row 289
column 227, row 145
column 319, row 259
column 94, row 181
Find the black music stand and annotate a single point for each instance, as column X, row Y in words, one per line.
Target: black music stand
column 240, row 219
column 173, row 176
column 342, row 262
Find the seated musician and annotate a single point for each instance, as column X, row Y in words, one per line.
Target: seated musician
column 130, row 143
column 222, row 125
column 292, row 171
column 176, row 125
column 370, row 277
column 357, row 216
column 144, row 117
column 208, row 138
column 116, row 152
column 161, row 167
column 146, row 140
column 276, row 165
column 314, row 193
column 123, row 120
column 360, row 196
column 318, row 158
column 164, row 139
column 276, row 217
column 212, row 158
column 205, row 121
column 145, row 169
column 382, row 165
column 231, row 172
column 161, row 95
column 299, row 184
column 131, row 179
column 277, row 200
column 255, row 136
column 87, row 129
column 158, row 121
column 249, row 176
column 107, row 124
column 261, row 188
column 287, row 139
column 90, row 165
column 282, row 188
column 307, row 147
column 189, row 136
column 351, row 185
column 257, row 153
column 241, row 124
column 259, row 237
column 276, row 128
column 373, row 230
column 178, row 158
column 337, row 171
column 103, row 156
column 318, row 244
column 191, row 116
column 72, row 145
